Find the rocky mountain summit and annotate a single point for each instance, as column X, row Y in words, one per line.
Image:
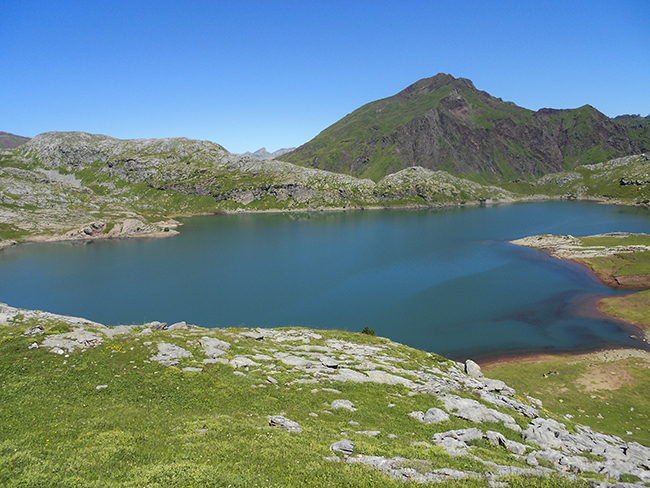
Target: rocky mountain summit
column 264, row 154
column 468, row 417
column 446, row 123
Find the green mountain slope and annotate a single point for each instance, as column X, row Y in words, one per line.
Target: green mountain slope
column 444, row 123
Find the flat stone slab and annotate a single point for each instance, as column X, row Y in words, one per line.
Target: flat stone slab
column 169, row 353
column 252, row 335
column 242, row 362
column 214, row 347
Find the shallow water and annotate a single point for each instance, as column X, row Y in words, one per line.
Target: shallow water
column 446, row 281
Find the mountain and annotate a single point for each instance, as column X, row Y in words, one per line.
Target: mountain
column 11, row 141
column 264, row 154
column 446, row 123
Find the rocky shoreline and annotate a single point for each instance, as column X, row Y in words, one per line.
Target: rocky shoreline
column 460, row 390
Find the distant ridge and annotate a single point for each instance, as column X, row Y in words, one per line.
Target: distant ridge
column 11, row 141
column 446, row 123
column 264, row 154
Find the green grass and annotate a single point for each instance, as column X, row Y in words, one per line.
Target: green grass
column 634, row 308
column 160, row 426
column 577, row 391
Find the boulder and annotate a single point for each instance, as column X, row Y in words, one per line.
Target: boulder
column 472, row 410
column 435, row 415
column 242, row 362
column 36, row 330
column 284, row 423
column 252, row 335
column 155, row 325
column 214, row 347
column 473, row 369
column 169, row 353
column 431, row 416
column 345, row 446
column 329, row 362
column 343, row 404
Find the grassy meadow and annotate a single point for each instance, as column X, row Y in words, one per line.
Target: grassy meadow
column 109, row 416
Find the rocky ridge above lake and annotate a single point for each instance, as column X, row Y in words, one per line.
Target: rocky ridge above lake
column 465, row 408
column 60, row 185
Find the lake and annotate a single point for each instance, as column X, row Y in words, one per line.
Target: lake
column 446, row 281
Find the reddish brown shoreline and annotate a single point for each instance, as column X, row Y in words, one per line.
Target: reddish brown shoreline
column 533, row 357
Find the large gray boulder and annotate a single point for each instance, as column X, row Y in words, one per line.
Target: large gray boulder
column 168, row 354
column 214, row 347
column 473, row 369
column 284, row 423
column 431, row 416
column 345, row 446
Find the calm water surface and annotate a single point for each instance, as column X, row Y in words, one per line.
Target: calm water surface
column 446, row 281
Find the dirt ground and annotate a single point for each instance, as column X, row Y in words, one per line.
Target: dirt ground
column 604, row 377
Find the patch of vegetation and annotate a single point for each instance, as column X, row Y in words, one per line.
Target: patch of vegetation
column 633, row 308
column 109, row 416
column 367, row 330
column 607, row 396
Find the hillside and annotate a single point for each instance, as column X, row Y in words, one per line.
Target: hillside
column 11, row 141
column 156, row 405
column 445, row 123
column 61, row 183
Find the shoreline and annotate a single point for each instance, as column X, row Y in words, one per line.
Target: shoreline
column 605, row 355
column 66, row 236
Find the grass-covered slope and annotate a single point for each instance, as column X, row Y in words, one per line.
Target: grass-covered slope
column 625, row 180
column 444, row 123
column 151, row 405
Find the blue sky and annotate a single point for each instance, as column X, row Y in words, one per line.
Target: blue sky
column 249, row 74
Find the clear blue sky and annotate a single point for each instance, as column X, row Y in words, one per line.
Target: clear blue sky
column 248, row 74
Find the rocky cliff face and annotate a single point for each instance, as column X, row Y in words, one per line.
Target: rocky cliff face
column 446, row 123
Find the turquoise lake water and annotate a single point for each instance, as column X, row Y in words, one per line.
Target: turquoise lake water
column 446, row 281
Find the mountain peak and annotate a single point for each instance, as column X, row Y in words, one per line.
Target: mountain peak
column 446, row 123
